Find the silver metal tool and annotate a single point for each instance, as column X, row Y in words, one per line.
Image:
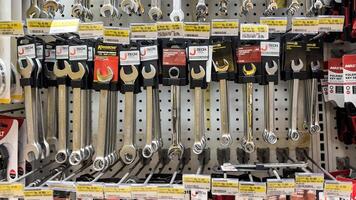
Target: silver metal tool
column 100, row 163
column 271, row 8
column 201, row 10
column 107, row 9
column 155, row 12
column 246, row 7
column 313, row 107
column 34, row 10
column 224, row 104
column 76, row 156
column 32, row 148
column 157, row 142
column 268, row 134
column 62, row 153
column 176, row 149
column 223, row 6
column 128, row 151
column 293, row 7
column 293, row 133
column 199, row 137
column 177, row 14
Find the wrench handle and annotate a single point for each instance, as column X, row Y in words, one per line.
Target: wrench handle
column 198, row 111
column 62, row 117
column 31, row 138
column 294, row 104
column 149, row 114
column 269, row 107
column 249, row 111
column 177, row 5
column 156, row 3
column 83, row 118
column 175, row 99
column 103, row 108
column 76, row 119
column 51, row 113
column 156, row 116
column 224, row 104
column 129, row 126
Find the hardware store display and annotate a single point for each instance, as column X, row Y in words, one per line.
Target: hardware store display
column 139, row 99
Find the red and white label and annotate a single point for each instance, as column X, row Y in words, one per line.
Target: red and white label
column 349, row 71
column 248, row 54
column 78, row 52
column 198, row 53
column 149, row 53
column 270, row 49
column 336, row 81
column 24, row 51
column 175, row 57
column 129, row 57
column 50, row 55
column 62, row 52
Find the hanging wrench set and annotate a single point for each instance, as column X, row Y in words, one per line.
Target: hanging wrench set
column 137, row 99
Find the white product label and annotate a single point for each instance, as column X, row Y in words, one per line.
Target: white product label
column 89, row 191
column 129, row 57
column 91, row 30
column 143, row 31
column 280, row 187
column 50, row 55
column 225, row 27
column 331, row 23
column 143, row 191
column 39, row 51
column 252, row 189
column 309, row 181
column 149, row 53
column 254, row 32
column 64, row 26
column 306, row 25
column 275, row 24
column 196, row 182
column 62, row 52
column 224, row 186
column 90, row 53
column 24, row 51
column 114, row 191
column 78, row 52
column 116, row 35
column 338, row 189
column 198, row 53
column 270, row 49
column 174, row 192
column 197, row 30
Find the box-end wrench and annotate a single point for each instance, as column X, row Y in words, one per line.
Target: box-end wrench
column 246, row 7
column 268, row 134
column 177, row 14
column 32, row 148
column 314, row 126
column 33, row 11
column 201, row 10
column 224, row 104
column 128, row 151
column 247, row 143
column 52, row 128
column 199, row 138
column 148, row 150
column 157, row 143
column 76, row 156
column 293, row 133
column 62, row 154
column 155, row 12
column 108, row 9
column 176, row 149
column 100, row 162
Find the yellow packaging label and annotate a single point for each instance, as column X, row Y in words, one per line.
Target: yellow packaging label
column 91, row 27
column 331, row 20
column 5, row 101
column 225, row 24
column 196, row 180
column 254, row 29
column 11, row 25
column 225, row 184
column 144, row 189
column 169, row 26
column 244, row 188
column 274, row 22
column 305, row 22
column 170, row 190
column 338, row 187
column 309, row 179
column 35, row 23
column 277, row 185
column 197, row 27
column 89, row 188
column 38, row 193
column 143, row 28
column 117, row 32
column 65, row 23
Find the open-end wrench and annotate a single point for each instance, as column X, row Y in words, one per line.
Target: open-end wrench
column 128, row 6
column 77, row 9
column 268, row 134
column 34, row 10
column 62, row 153
column 52, row 129
column 247, row 142
column 176, row 149
column 177, row 14
column 199, row 138
column 223, row 6
column 293, row 7
column 43, row 13
column 100, row 163
column 32, row 148
column 76, row 156
column 148, row 150
column 155, row 12
column 86, row 145
column 314, row 8
column 107, row 9
column 246, row 7
column 314, row 126
column 272, row 6
column 51, row 6
column 128, row 151
column 293, row 133
column 224, row 104
column 201, row 10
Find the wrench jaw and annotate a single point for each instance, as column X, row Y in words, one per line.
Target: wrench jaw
column 198, row 147
column 295, row 67
column 293, row 135
column 247, row 146
column 148, row 151
column 155, row 13
column 32, row 152
column 176, row 151
column 226, row 140
column 177, row 16
column 314, row 129
column 75, row 158
column 107, row 10
column 128, row 154
column 100, row 164
column 61, row 156
column 269, row 137
column 271, row 70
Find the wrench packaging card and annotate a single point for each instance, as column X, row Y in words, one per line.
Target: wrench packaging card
column 223, row 50
column 315, row 56
column 174, row 58
column 270, row 52
column 198, row 55
column 349, row 71
column 9, row 137
column 106, row 55
column 130, row 56
column 248, row 57
column 336, row 81
column 149, row 57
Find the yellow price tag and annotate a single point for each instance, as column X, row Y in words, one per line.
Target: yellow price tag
column 225, row 24
column 305, row 22
column 254, row 29
column 169, row 26
column 305, row 25
column 38, row 193
column 244, row 188
column 89, row 188
column 39, row 23
column 117, row 35
column 197, row 27
column 143, row 28
column 91, row 27
column 170, row 190
column 193, row 181
column 117, row 32
column 11, row 190
column 65, row 23
column 343, row 187
column 11, row 28
column 331, row 23
column 143, row 31
column 310, row 179
column 197, row 30
column 202, row 180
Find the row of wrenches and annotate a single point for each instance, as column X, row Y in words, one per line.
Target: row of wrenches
column 110, row 8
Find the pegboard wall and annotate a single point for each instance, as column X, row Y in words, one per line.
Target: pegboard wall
column 212, row 121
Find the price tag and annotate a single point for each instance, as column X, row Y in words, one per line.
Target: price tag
column 143, row 191
column 338, row 189
column 309, row 181
column 129, row 57
column 38, row 193
column 254, row 32
column 89, row 190
column 175, row 192
column 91, row 30
column 39, row 26
column 64, row 26
column 11, row 190
column 306, row 25
column 170, row 29
column 196, row 182
column 275, row 24
column 280, row 187
column 331, row 23
column 196, row 30
column 225, row 27
column 223, row 186
column 114, row 191
column 116, row 35
column 11, row 28
column 143, row 31
column 61, row 186
column 252, row 189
